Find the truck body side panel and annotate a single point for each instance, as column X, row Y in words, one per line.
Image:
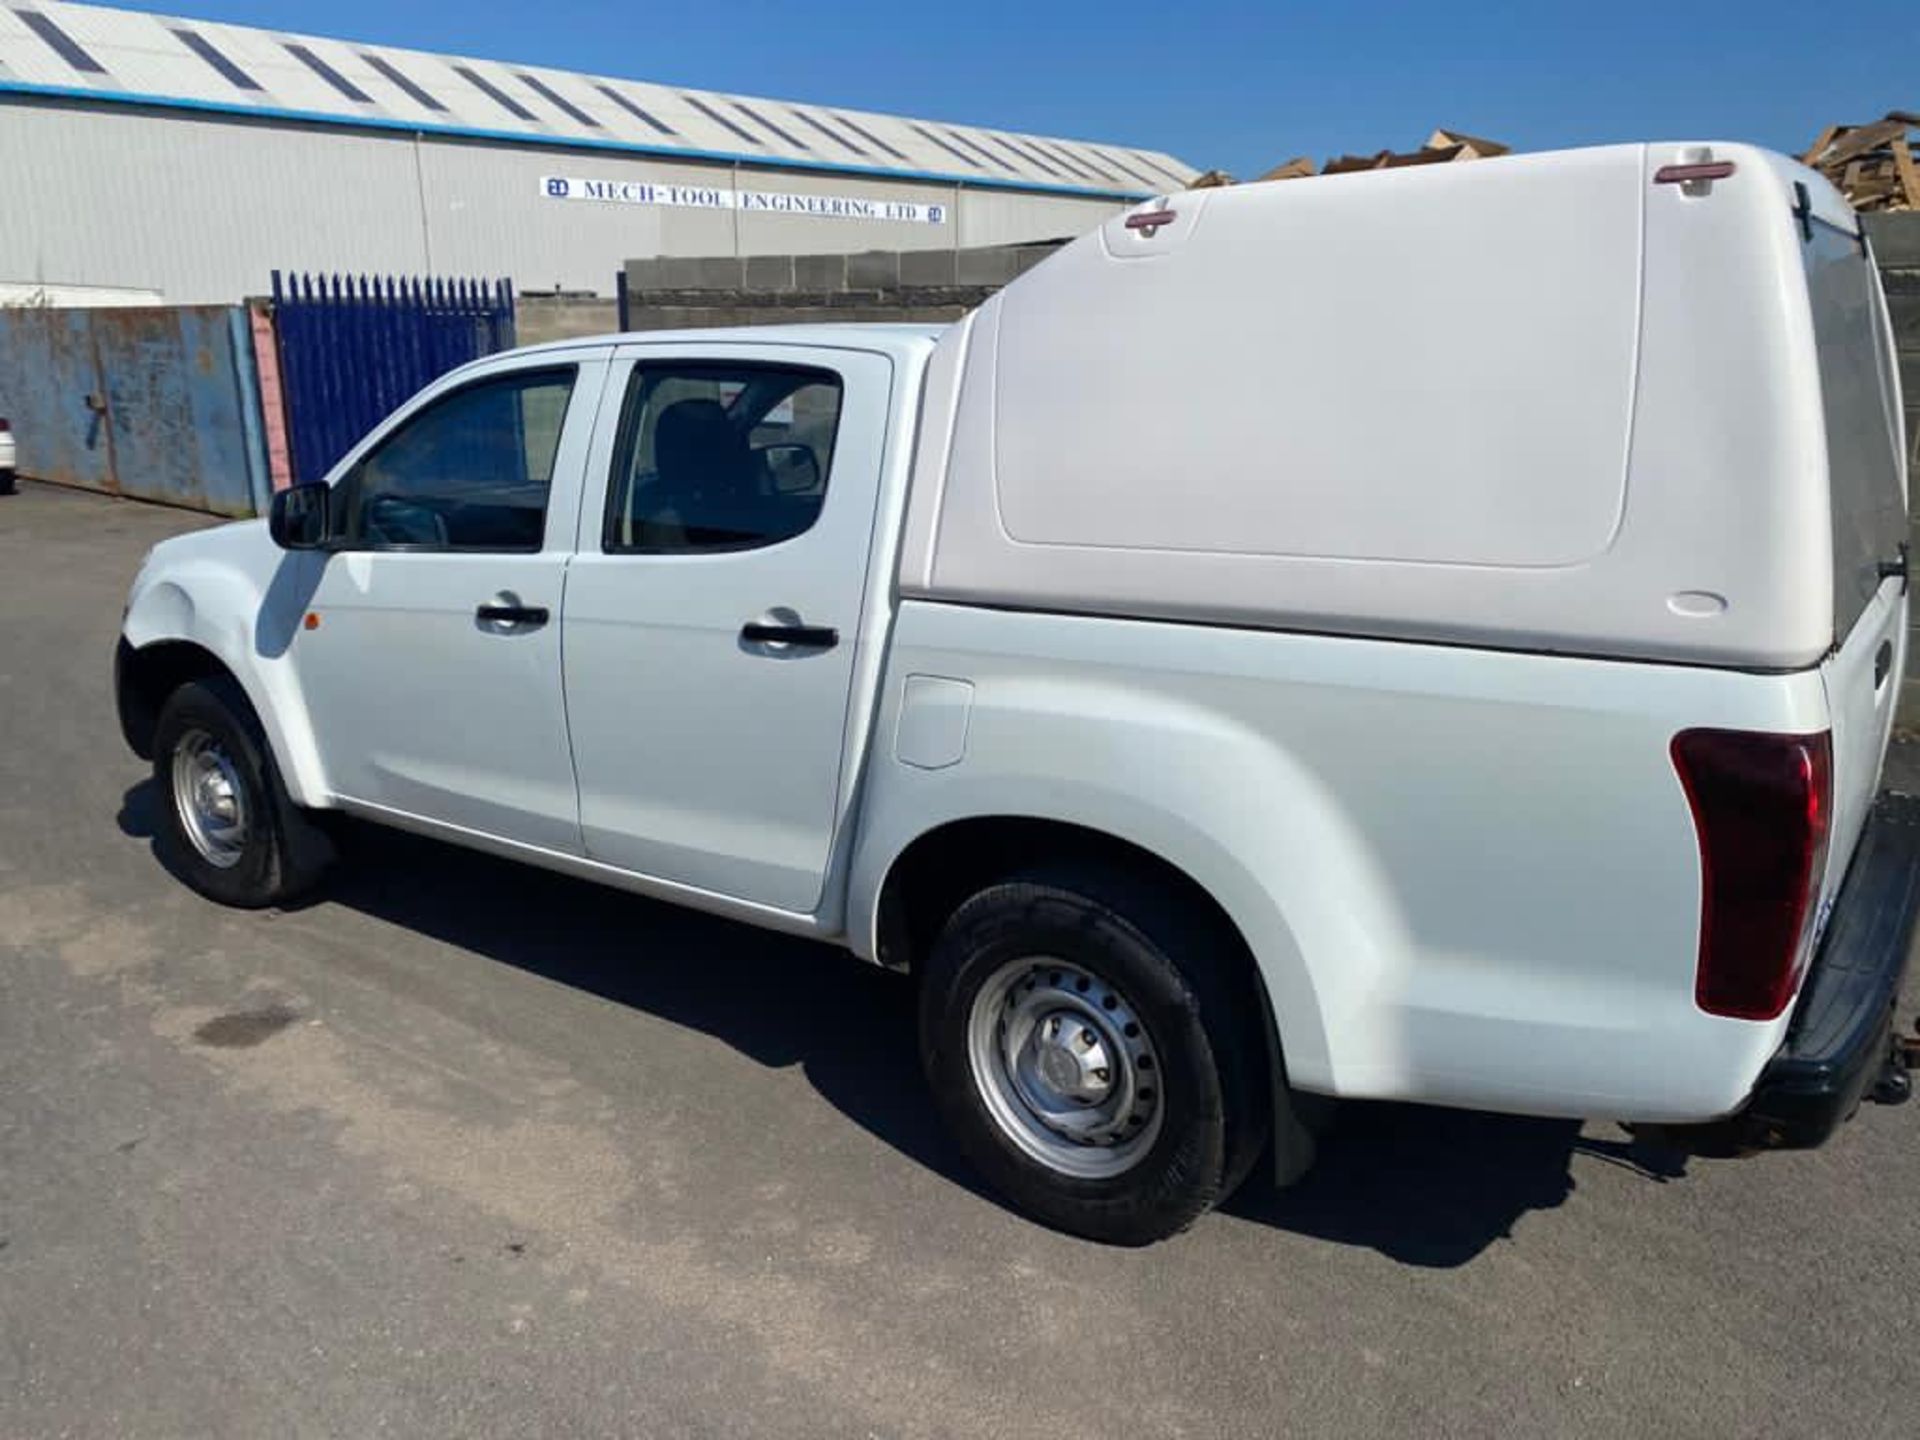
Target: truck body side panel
column 1425, row 847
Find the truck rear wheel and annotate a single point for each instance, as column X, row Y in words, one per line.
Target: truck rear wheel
column 225, row 824
column 1084, row 1044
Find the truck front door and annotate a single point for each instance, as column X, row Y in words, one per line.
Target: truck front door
column 430, row 659
column 711, row 626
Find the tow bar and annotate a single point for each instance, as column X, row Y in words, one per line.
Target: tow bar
column 1895, row 1085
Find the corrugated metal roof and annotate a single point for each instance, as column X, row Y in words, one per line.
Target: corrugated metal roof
column 92, row 51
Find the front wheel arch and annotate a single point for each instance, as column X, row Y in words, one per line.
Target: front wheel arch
column 281, row 851
column 148, row 673
column 146, row 677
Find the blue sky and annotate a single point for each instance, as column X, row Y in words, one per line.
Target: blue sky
column 1236, row 85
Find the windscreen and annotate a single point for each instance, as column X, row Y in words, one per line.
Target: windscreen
column 1859, row 394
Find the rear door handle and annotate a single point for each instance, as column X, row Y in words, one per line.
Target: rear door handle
column 525, row 617
column 804, row 637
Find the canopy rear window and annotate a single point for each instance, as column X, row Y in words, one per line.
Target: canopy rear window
column 1859, row 400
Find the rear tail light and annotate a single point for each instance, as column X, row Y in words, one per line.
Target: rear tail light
column 1762, row 811
column 4, row 427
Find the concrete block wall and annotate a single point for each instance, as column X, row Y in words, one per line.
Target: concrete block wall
column 539, row 318
column 677, row 292
column 928, row 286
column 1896, row 245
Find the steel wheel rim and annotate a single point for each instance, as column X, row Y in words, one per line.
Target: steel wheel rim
column 210, row 797
column 1066, row 1067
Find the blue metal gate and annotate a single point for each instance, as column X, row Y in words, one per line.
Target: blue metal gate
column 159, row 402
column 352, row 350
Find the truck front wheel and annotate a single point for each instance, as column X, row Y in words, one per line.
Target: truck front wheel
column 1091, row 1053
column 225, row 823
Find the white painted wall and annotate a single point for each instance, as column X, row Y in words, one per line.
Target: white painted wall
column 202, row 209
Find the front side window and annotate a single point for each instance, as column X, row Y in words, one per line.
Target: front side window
column 469, row 472
column 720, row 456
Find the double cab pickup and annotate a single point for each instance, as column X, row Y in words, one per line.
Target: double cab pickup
column 1425, row 635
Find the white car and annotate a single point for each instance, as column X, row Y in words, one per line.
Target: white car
column 7, row 456
column 1423, row 635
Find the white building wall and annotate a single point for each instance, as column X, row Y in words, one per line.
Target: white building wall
column 1005, row 217
column 204, row 208
column 767, row 233
column 486, row 216
column 201, row 210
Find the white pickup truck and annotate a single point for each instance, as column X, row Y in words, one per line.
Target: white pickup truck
column 1426, row 635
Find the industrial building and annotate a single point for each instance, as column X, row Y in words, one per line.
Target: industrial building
column 188, row 160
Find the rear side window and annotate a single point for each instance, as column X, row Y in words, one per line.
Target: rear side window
column 720, row 457
column 1858, row 397
column 471, row 471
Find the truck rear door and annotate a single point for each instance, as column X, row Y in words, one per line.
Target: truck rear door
column 1860, row 398
column 712, row 612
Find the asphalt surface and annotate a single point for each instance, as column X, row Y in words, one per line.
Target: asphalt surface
column 466, row 1149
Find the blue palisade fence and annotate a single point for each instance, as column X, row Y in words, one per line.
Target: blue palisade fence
column 352, row 349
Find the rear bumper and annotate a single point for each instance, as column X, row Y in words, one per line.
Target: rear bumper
column 1841, row 1035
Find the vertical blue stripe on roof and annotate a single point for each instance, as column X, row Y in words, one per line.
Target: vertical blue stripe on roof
column 873, row 139
column 1156, row 166
column 1031, row 149
column 634, row 110
column 204, row 48
column 951, row 150
column 559, row 101
column 400, row 80
column 766, row 124
column 61, row 43
column 974, row 146
column 1060, row 153
column 1124, row 168
column 721, row 120
column 1087, row 157
column 1005, row 146
column 493, row 92
column 326, row 72
column 823, row 128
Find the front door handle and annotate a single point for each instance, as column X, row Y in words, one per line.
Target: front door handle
column 803, row 637
column 521, row 617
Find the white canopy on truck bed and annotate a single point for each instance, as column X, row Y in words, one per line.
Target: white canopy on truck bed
column 1553, row 402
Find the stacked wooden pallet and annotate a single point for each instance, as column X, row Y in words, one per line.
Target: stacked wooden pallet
column 1872, row 165
column 1442, row 147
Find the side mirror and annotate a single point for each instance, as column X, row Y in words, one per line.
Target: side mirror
column 794, row 469
column 300, row 517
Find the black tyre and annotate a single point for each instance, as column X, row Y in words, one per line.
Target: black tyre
column 7, row 485
column 225, row 824
column 1095, row 1049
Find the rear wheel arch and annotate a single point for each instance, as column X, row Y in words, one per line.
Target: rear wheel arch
column 940, row 870
column 934, row 875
